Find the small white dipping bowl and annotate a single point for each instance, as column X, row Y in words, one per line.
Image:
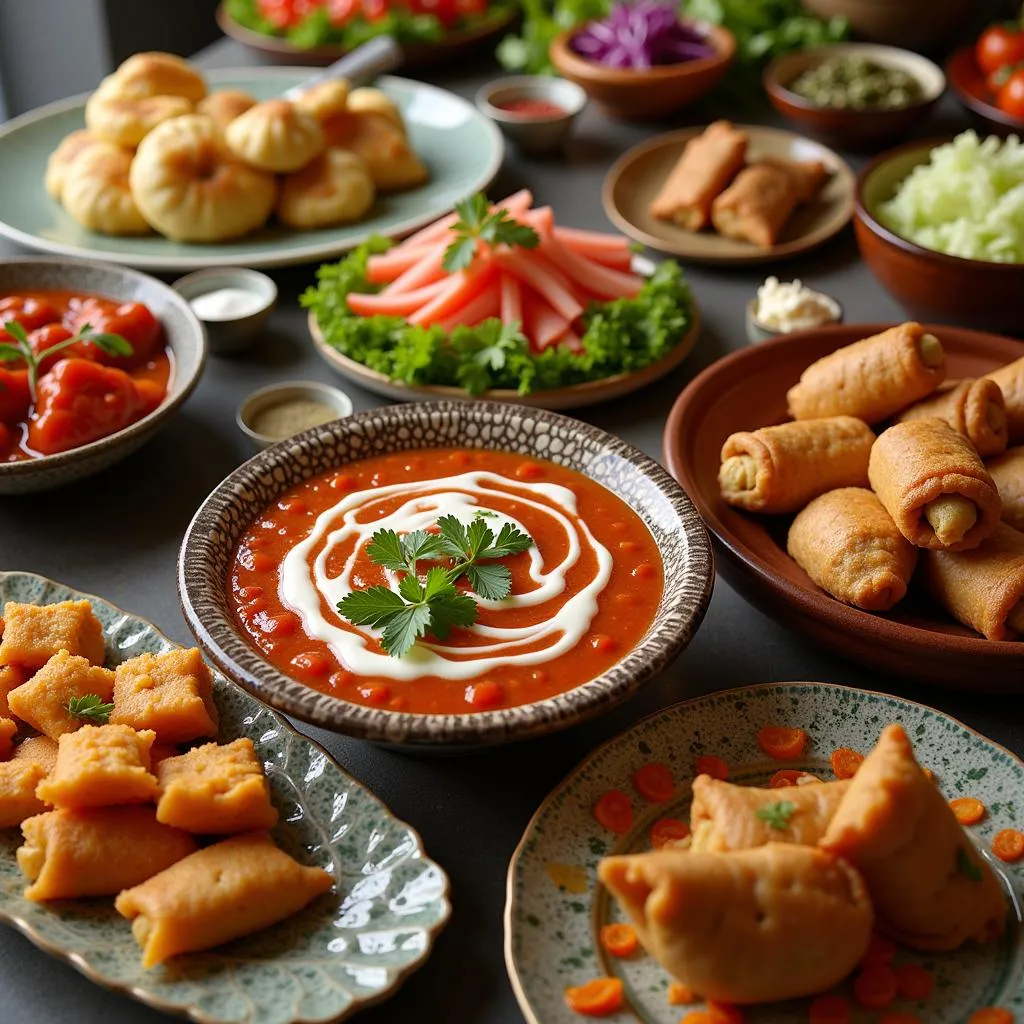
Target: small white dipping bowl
column 532, row 134
column 282, row 395
column 232, row 333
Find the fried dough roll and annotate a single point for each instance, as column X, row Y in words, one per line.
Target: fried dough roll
column 781, row 468
column 848, row 544
column 932, row 483
column 983, row 588
column 1007, row 472
column 774, row 922
column 930, row 886
column 1010, row 379
column 871, row 379
column 757, row 205
column 725, row 817
column 974, row 408
column 709, row 162
column 807, row 175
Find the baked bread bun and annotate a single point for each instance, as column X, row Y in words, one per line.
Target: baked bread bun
column 335, row 188
column 224, row 105
column 158, row 74
column 384, row 147
column 62, row 157
column 190, row 188
column 126, row 121
column 325, row 99
column 96, row 191
column 275, row 136
column 373, row 101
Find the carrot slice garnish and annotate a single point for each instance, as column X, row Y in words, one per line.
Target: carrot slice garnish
column 991, row 1015
column 597, row 998
column 899, row 1018
column 698, row 1017
column 1008, row 845
column 711, row 764
column 654, row 782
column 914, row 981
column 614, row 811
column 968, row 811
column 781, row 743
column 680, row 994
column 668, row 830
column 880, row 951
column 791, row 777
column 619, row 939
column 875, row 987
column 830, row 1010
column 723, row 1013
column 845, row 762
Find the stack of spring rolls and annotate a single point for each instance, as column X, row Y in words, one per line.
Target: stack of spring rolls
column 762, row 908
column 712, row 184
column 938, row 486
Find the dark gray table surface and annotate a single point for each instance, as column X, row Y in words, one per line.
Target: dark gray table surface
column 117, row 535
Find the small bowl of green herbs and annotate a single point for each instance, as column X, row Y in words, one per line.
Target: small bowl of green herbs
column 855, row 95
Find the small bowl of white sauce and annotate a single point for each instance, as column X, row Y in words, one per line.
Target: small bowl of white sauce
column 280, row 411
column 232, row 302
column 783, row 307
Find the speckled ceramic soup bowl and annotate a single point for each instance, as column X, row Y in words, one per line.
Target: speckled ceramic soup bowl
column 208, row 551
column 186, row 342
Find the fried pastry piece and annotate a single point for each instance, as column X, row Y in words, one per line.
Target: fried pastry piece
column 275, row 135
column 752, row 926
column 725, row 817
column 34, row 633
column 756, row 206
column 8, row 730
column 63, row 157
column 974, row 408
column 40, row 750
column 781, row 468
column 126, row 121
column 848, row 544
column 154, row 73
column 224, row 105
column 1010, row 379
column 871, row 379
column 983, row 588
column 932, row 483
column 368, row 100
column 1007, row 472
column 807, row 175
column 18, row 781
column 384, row 148
column 325, row 99
column 336, row 188
column 98, row 195
column 11, row 677
column 222, row 892
column 930, row 886
column 709, row 162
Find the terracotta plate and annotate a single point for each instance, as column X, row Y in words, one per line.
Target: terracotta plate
column 747, row 390
column 968, row 82
column 636, row 177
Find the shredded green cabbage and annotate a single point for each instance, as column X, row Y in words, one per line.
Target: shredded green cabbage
column 968, row 200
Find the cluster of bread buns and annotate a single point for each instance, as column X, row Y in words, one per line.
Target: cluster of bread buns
column 161, row 153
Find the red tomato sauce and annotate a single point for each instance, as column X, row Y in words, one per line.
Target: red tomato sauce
column 538, row 109
column 625, row 607
column 82, row 393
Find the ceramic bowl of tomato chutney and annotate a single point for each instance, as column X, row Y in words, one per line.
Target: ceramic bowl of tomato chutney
column 94, row 359
column 446, row 575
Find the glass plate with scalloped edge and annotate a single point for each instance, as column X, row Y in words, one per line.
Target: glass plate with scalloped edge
column 555, row 908
column 349, row 949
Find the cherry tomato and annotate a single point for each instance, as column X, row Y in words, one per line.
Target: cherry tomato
column 341, row 12
column 280, row 13
column 30, row 313
column 132, row 320
column 15, row 397
column 998, row 46
column 471, row 8
column 1010, row 97
column 374, row 10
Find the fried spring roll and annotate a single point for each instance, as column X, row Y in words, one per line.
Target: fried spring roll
column 974, row 408
column 807, row 175
column 774, row 922
column 756, row 206
column 871, row 379
column 930, row 886
column 709, row 162
column 933, row 484
column 848, row 544
column 983, row 588
column 781, row 468
column 1007, row 471
column 1010, row 379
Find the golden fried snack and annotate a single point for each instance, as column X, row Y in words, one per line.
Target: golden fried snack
column 336, row 188
column 1010, row 379
column 126, row 120
column 157, row 74
column 275, row 135
column 932, row 483
column 1007, row 472
column 930, row 887
column 325, row 99
column 873, row 378
column 774, row 922
column 224, row 105
column 983, row 588
column 192, row 190
column 757, row 205
column 383, row 147
column 97, row 191
column 974, row 408
column 807, row 175
column 709, row 162
column 781, row 468
column 63, row 157
column 725, row 817
column 368, row 100
column 848, row 544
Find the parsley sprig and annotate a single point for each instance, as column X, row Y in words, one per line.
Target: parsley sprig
column 90, row 707
column 112, row 344
column 432, row 603
column 477, row 224
column 777, row 815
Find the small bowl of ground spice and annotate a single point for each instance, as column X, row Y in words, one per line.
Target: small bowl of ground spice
column 280, row 411
column 533, row 111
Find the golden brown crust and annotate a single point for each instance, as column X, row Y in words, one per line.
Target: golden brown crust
column 1007, row 471
column 974, row 408
column 807, row 175
column 1010, row 379
column 756, row 206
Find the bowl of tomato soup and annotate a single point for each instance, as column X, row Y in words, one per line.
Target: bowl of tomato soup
column 94, row 358
column 446, row 574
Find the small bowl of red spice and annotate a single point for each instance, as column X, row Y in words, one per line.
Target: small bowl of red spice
column 533, row 111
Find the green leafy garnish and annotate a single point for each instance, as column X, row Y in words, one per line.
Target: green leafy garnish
column 777, row 815
column 477, row 224
column 431, row 603
column 90, row 707
column 967, row 867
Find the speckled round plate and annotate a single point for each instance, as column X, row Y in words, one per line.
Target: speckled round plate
column 462, row 149
column 349, row 949
column 555, row 906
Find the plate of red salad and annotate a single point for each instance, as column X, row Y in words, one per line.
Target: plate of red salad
column 988, row 76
